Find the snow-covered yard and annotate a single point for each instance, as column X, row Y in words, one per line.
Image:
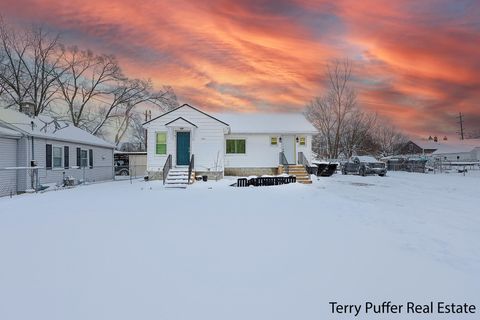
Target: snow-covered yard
column 137, row 251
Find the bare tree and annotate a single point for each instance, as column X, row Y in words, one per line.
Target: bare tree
column 132, row 94
column 359, row 127
column 389, row 139
column 329, row 112
column 30, row 64
column 87, row 77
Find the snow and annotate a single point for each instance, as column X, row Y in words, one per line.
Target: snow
column 139, row 251
column 367, row 159
column 9, row 132
column 266, row 122
column 67, row 132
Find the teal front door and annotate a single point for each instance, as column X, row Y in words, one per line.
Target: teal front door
column 183, row 148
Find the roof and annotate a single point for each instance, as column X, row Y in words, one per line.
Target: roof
column 185, row 105
column 267, row 122
column 181, row 122
column 459, row 146
column 4, row 132
column 43, row 126
column 426, row 144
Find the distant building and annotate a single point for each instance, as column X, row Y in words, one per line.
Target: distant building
column 445, row 150
column 420, row 147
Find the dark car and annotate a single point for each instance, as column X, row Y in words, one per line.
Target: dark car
column 121, row 168
column 364, row 165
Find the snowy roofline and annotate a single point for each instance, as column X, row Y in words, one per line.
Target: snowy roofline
column 255, row 123
column 43, row 126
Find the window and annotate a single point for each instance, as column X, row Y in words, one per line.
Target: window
column 302, row 141
column 236, row 146
column 161, row 143
column 83, row 158
column 57, row 157
column 273, row 141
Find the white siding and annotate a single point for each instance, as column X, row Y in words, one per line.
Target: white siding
column 260, row 153
column 8, row 158
column 207, row 139
column 459, row 156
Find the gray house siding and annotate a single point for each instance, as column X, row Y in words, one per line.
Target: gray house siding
column 101, row 170
column 22, row 161
column 8, row 158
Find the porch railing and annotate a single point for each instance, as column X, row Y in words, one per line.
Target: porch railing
column 167, row 167
column 191, row 166
column 283, row 161
column 303, row 160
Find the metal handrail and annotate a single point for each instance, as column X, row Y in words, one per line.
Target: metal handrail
column 167, row 167
column 302, row 159
column 190, row 168
column 283, row 161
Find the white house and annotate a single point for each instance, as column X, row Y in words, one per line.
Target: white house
column 464, row 150
column 51, row 149
column 226, row 143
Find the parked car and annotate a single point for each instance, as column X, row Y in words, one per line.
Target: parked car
column 364, row 165
column 121, row 168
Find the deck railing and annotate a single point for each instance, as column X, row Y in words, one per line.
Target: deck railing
column 265, row 181
column 191, row 166
column 167, row 167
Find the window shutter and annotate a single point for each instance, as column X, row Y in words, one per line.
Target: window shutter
column 48, row 156
column 66, row 157
column 90, row 158
column 79, row 158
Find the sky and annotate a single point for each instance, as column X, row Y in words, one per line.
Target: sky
column 415, row 63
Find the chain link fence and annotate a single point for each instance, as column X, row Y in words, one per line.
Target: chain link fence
column 15, row 180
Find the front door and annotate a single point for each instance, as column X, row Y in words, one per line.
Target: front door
column 183, row 148
column 288, row 143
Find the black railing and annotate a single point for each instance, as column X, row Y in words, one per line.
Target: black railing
column 167, row 167
column 191, row 166
column 265, row 181
column 303, row 160
column 283, row 161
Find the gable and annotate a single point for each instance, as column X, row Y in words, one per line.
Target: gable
column 185, row 111
column 180, row 122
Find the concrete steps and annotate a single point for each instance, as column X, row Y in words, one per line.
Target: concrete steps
column 178, row 178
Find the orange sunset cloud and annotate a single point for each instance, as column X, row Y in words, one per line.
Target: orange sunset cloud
column 415, row 63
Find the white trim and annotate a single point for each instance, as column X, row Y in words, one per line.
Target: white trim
column 236, row 138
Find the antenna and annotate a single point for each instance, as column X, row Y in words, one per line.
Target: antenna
column 461, row 121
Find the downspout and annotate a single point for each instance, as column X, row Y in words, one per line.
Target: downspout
column 29, row 165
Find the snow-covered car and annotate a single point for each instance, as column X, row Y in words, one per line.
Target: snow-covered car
column 364, row 165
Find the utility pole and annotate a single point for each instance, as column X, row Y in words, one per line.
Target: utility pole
column 148, row 116
column 460, row 121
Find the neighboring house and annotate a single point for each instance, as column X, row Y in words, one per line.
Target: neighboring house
column 56, row 148
column 420, row 147
column 458, row 151
column 227, row 144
